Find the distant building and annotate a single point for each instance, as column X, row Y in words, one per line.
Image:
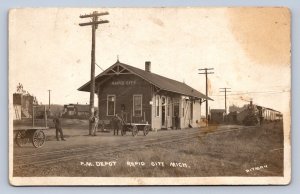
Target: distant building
column 141, row 96
column 76, row 111
column 217, row 116
column 22, row 104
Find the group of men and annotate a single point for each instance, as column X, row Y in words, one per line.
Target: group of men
column 116, row 123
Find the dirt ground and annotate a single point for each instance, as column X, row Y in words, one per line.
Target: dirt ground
column 213, row 151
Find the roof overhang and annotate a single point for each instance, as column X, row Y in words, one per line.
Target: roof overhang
column 120, row 68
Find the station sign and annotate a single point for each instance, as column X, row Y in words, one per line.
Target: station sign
column 124, row 83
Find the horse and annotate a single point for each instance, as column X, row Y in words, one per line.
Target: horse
column 117, row 124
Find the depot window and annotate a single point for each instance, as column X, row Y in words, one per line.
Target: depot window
column 111, row 105
column 137, row 105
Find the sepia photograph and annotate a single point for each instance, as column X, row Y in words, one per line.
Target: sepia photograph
column 150, row 96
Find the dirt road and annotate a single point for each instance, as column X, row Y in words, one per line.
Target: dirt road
column 80, row 147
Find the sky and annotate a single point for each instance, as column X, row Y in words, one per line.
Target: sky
column 249, row 49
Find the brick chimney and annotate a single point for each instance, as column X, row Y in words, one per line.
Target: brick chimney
column 148, row 66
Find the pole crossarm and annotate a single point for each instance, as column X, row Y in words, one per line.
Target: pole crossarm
column 206, row 69
column 94, row 23
column 93, row 15
column 207, row 73
column 225, row 88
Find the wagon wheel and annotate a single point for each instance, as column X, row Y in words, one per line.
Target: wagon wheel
column 134, row 130
column 146, row 129
column 21, row 138
column 38, row 138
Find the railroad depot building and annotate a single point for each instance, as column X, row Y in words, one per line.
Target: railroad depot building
column 141, row 96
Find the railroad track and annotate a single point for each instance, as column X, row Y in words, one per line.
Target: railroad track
column 46, row 158
column 90, row 147
column 104, row 145
column 58, row 156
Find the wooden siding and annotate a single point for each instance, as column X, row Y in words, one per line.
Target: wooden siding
column 124, row 87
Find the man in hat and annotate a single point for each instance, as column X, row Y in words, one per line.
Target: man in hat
column 57, row 123
column 94, row 120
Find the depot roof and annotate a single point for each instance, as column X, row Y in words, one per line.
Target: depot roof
column 159, row 81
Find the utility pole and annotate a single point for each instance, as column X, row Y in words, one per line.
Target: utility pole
column 225, row 90
column 49, row 100
column 206, row 71
column 94, row 23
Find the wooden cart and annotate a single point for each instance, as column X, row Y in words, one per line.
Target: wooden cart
column 34, row 135
column 31, row 134
column 134, row 128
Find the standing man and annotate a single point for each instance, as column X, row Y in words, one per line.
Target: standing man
column 58, row 128
column 94, row 121
column 176, row 121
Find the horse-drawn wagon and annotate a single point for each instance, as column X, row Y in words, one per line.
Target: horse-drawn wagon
column 31, row 134
column 134, row 128
column 35, row 135
column 119, row 123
